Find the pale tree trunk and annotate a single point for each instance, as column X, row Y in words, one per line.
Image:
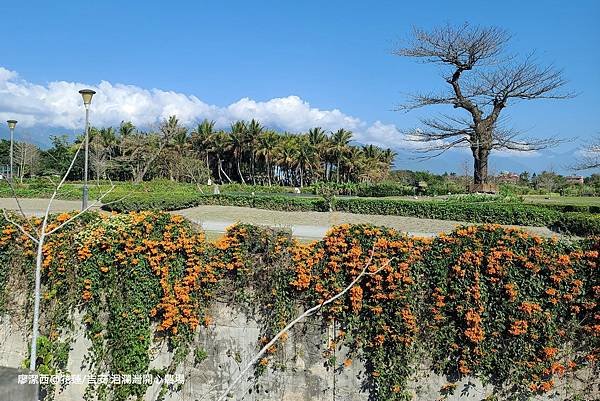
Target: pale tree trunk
column 239, row 170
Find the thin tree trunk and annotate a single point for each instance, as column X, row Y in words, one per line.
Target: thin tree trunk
column 223, row 171
column 268, row 170
column 239, row 170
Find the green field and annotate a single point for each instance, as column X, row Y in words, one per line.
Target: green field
column 562, row 200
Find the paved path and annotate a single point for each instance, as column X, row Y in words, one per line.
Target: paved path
column 307, row 225
column 32, row 206
column 315, row 224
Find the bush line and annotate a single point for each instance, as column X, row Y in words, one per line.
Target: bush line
column 573, row 223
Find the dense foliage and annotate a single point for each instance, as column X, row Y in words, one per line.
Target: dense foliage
column 247, row 152
column 517, row 311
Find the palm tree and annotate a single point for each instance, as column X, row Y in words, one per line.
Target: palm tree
column 317, row 138
column 354, row 164
column 339, row 141
column 126, row 129
column 253, row 132
column 237, row 143
column 305, row 156
column 202, row 137
column 286, row 156
column 220, row 145
column 388, row 156
column 267, row 144
column 178, row 149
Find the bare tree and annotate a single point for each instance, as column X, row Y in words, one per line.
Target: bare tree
column 139, row 150
column 38, row 236
column 482, row 80
column 27, row 156
column 193, row 170
column 591, row 157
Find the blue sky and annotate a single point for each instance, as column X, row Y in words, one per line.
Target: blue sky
column 333, row 55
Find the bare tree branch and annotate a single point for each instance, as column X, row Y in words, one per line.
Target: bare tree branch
column 591, row 157
column 304, row 315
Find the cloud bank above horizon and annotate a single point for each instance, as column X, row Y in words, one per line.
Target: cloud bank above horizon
column 58, row 105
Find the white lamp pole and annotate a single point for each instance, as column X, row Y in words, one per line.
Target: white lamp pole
column 86, row 94
column 11, row 126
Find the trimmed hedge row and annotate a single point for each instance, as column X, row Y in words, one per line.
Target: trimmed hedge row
column 572, row 208
column 385, row 188
column 583, row 224
column 478, row 212
column 146, row 201
column 574, row 223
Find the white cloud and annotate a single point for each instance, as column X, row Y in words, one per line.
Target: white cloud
column 58, row 104
column 516, row 153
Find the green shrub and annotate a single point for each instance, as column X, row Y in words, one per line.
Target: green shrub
column 247, row 189
column 142, row 201
column 582, row 224
column 481, row 212
column 385, row 189
column 565, row 208
column 289, row 203
column 475, row 211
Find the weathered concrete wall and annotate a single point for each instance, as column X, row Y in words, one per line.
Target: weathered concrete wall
column 229, row 344
column 12, row 390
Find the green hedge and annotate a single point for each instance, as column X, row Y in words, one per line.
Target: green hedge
column 285, row 203
column 384, row 189
column 595, row 209
column 479, row 212
column 147, row 201
column 575, row 223
column 583, row 224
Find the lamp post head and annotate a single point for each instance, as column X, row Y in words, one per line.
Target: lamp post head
column 87, row 94
column 12, row 124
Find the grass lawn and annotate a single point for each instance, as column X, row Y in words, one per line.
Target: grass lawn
column 563, row 200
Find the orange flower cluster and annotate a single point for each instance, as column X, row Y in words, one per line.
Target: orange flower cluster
column 530, row 307
column 474, row 331
column 518, row 327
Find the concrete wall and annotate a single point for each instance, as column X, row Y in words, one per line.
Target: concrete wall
column 229, row 344
column 12, row 390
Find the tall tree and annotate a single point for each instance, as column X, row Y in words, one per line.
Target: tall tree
column 202, row 139
column 237, row 145
column 253, row 133
column 102, row 146
column 26, row 158
column 482, row 81
column 267, row 145
column 317, row 138
column 339, row 141
column 591, row 157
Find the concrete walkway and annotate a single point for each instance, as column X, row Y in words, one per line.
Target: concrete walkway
column 315, row 224
column 305, row 225
column 35, row 207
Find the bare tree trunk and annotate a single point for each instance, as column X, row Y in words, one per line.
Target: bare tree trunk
column 268, row 170
column 480, row 165
column 239, row 170
column 252, row 169
column 223, row 171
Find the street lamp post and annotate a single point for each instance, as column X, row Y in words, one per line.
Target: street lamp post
column 86, row 94
column 11, row 126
